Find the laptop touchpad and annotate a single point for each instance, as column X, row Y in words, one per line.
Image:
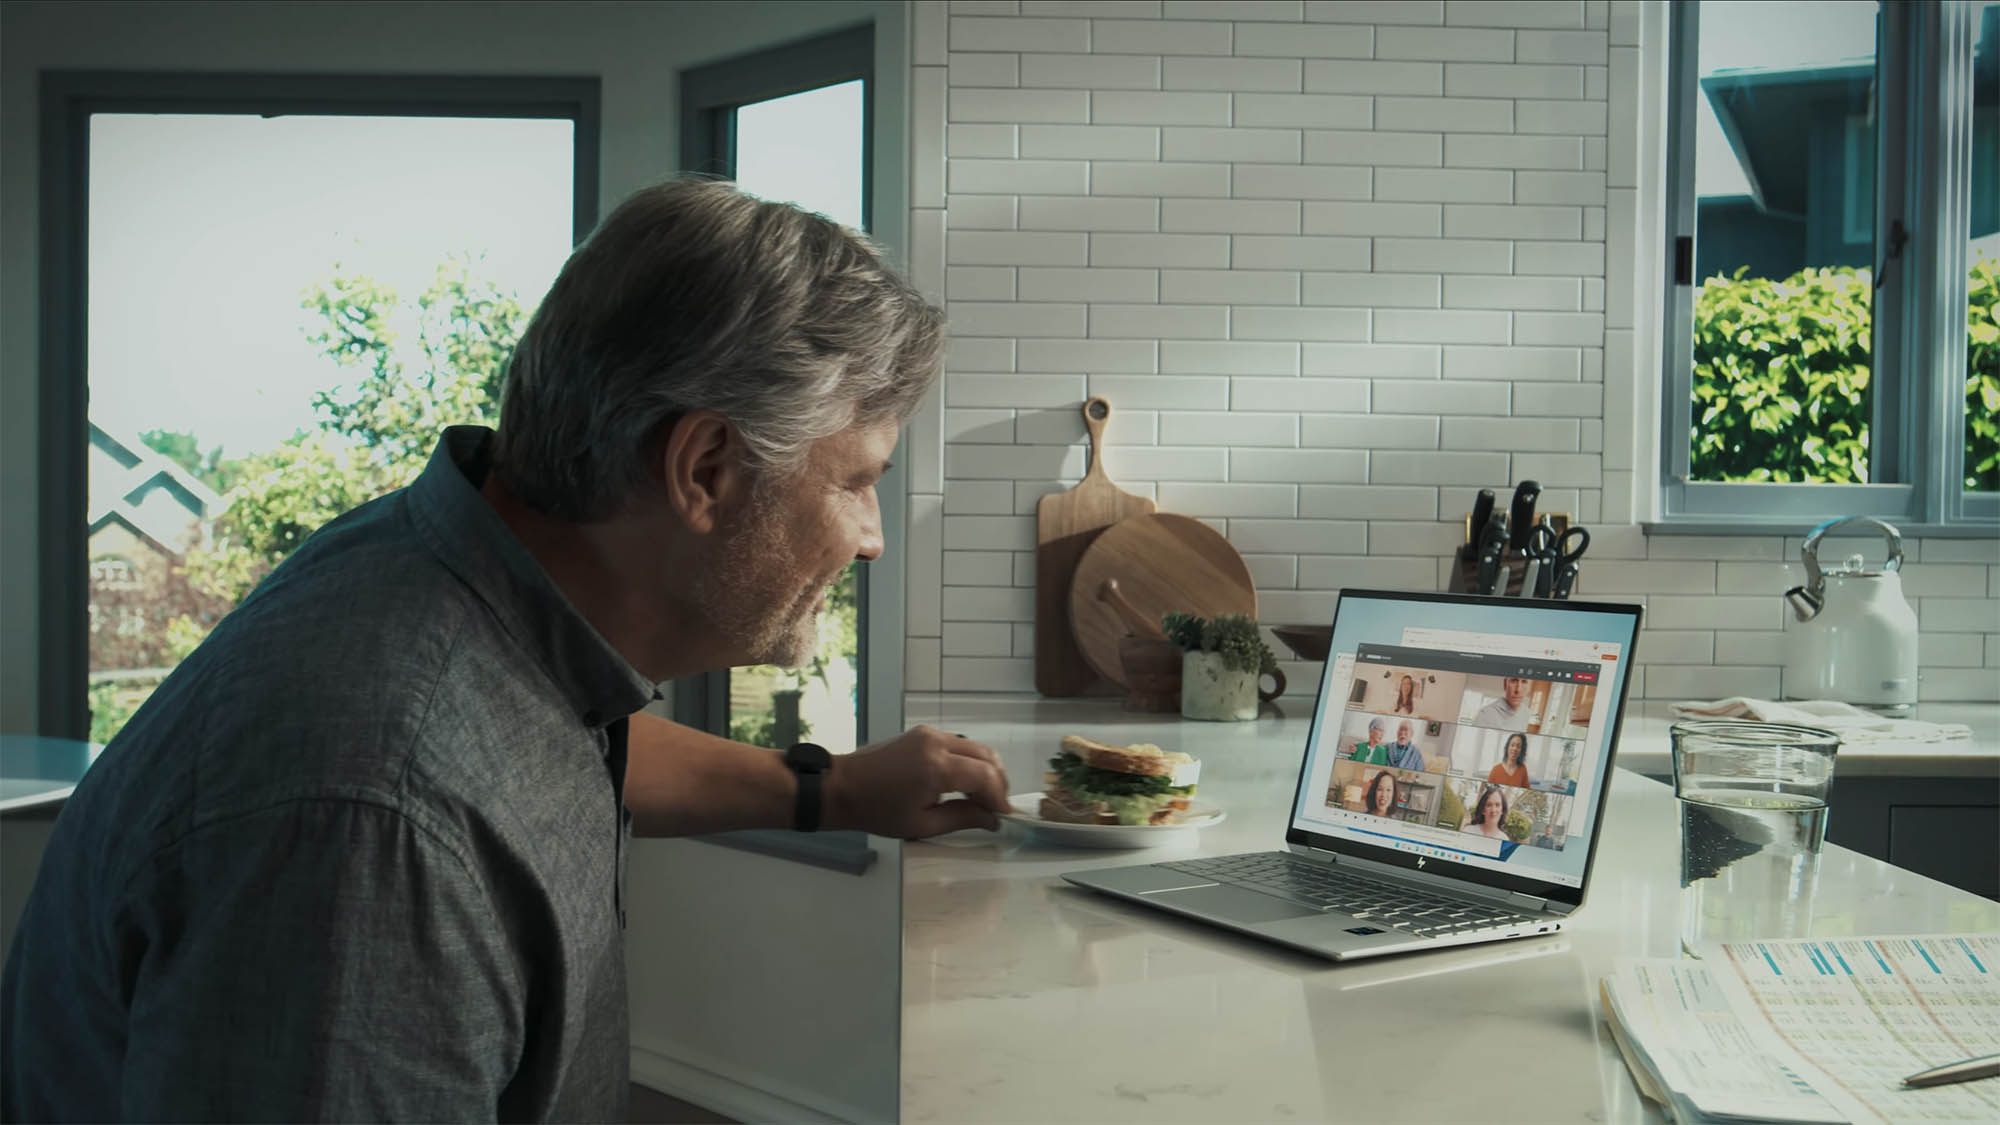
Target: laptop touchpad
column 1232, row 904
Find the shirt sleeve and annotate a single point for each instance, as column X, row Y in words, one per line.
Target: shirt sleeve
column 319, row 960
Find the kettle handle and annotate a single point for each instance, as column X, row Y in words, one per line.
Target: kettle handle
column 1815, row 586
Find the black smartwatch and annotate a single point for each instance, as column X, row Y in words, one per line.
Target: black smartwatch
column 809, row 762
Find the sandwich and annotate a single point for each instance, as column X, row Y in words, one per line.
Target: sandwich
column 1093, row 783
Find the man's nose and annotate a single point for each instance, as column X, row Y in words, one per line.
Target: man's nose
column 870, row 546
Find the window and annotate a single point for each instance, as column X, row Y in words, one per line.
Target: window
column 806, row 148
column 1831, row 346
column 255, row 341
column 790, row 124
column 1981, row 470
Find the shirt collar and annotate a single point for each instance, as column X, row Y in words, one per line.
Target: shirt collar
column 472, row 541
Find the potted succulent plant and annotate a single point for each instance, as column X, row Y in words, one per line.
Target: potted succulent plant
column 1221, row 663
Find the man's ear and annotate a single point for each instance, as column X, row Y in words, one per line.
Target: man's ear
column 701, row 463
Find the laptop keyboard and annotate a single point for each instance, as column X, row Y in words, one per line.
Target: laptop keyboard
column 1325, row 887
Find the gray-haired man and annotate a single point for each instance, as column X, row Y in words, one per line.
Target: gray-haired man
column 359, row 856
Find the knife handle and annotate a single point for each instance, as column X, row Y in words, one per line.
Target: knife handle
column 1523, row 513
column 1565, row 581
column 1482, row 510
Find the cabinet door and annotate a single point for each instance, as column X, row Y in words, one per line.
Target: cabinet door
column 1950, row 843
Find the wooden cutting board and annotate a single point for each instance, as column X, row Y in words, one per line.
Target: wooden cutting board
column 1065, row 525
column 1162, row 562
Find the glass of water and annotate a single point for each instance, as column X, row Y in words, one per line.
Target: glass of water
column 1753, row 816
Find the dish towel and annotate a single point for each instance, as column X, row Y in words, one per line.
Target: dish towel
column 1851, row 723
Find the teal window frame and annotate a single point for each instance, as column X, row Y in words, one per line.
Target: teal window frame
column 710, row 97
column 1923, row 163
column 68, row 100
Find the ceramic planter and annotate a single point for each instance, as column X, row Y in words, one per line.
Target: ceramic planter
column 1212, row 691
column 1215, row 692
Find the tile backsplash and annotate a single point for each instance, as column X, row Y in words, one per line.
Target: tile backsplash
column 1336, row 265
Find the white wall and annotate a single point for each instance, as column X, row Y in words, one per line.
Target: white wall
column 1337, row 265
column 707, row 1020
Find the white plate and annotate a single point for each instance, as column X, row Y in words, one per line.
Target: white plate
column 1027, row 814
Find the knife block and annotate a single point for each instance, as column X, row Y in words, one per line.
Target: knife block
column 1513, row 564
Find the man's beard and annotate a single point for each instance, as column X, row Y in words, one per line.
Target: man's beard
column 745, row 593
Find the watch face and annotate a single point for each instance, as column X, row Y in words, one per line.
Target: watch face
column 809, row 756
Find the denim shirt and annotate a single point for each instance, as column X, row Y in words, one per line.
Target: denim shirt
column 1405, row 756
column 359, row 856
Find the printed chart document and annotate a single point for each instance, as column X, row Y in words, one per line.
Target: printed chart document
column 1812, row 1030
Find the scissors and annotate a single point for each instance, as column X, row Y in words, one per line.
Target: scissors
column 1557, row 569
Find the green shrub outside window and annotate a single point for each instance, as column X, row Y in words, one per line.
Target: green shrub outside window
column 1781, row 374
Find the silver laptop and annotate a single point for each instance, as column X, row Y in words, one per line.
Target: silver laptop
column 1452, row 786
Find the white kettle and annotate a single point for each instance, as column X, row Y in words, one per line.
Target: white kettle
column 1855, row 638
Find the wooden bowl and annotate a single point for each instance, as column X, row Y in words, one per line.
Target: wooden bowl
column 1307, row 642
column 1152, row 674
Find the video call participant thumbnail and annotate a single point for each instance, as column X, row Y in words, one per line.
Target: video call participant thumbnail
column 1488, row 816
column 1361, row 788
column 1371, row 748
column 1406, row 696
column 1512, row 769
column 1420, row 693
column 1508, row 707
column 1380, row 795
column 1375, row 749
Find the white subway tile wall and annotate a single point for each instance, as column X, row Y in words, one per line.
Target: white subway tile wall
column 1337, row 264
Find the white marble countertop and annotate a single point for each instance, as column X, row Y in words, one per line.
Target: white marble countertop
column 1026, row 999
column 1643, row 746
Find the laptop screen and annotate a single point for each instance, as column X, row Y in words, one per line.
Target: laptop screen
column 1466, row 735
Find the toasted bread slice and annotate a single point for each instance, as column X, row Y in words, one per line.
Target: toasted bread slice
column 1143, row 759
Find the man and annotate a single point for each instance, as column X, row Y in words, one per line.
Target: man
column 1506, row 712
column 1403, row 754
column 1373, row 751
column 360, row 856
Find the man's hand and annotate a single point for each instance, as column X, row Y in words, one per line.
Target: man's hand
column 894, row 788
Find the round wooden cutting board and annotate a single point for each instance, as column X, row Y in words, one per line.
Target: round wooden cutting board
column 1162, row 562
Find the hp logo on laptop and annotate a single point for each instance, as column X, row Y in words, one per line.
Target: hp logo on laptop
column 1420, row 861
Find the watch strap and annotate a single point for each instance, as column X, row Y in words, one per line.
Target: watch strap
column 806, row 808
column 809, row 763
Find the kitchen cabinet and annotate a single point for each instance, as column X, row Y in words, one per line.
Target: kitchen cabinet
column 765, row 986
column 1946, row 828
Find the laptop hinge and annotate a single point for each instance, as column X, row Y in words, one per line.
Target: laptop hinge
column 1528, row 902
